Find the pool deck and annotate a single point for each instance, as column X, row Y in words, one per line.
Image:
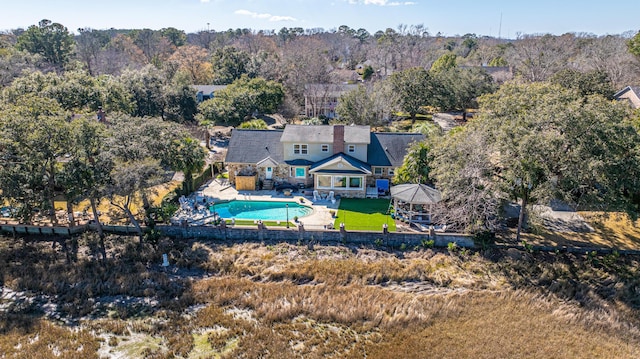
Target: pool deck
column 319, row 219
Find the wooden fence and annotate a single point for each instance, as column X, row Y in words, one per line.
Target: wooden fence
column 246, row 183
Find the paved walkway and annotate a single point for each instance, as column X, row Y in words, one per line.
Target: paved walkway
column 321, row 216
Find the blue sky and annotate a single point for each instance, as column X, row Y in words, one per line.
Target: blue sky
column 448, row 17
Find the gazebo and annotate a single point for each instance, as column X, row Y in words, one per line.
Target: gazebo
column 420, row 199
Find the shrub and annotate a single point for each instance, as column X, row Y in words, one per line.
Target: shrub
column 485, row 239
column 258, row 124
column 427, row 243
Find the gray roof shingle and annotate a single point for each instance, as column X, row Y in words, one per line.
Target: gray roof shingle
column 356, row 163
column 324, row 134
column 252, row 146
column 389, row 148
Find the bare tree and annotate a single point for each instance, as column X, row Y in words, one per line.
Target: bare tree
column 609, row 54
column 537, row 58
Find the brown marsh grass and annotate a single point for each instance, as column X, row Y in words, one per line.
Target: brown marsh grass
column 611, row 230
column 286, row 301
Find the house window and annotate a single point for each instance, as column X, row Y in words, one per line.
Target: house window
column 355, row 182
column 390, row 171
column 377, row 171
column 324, row 148
column 339, row 182
column 299, row 172
column 300, row 149
column 351, row 148
column 324, row 181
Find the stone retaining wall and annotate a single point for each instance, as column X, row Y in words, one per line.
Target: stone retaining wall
column 391, row 239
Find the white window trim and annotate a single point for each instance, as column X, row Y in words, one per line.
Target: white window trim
column 303, row 149
column 294, row 173
column 355, row 188
column 376, row 169
column 324, row 148
column 330, row 181
column 391, row 171
column 351, row 148
column 347, row 180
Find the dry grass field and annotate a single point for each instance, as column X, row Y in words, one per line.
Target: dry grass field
column 112, row 214
column 610, row 230
column 269, row 300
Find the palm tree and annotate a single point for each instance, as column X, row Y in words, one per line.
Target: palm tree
column 189, row 157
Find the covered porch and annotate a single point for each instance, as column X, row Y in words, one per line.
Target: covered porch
column 342, row 175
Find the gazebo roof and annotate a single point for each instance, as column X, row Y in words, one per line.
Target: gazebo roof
column 416, row 193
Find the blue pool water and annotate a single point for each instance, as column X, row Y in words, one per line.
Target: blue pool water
column 264, row 210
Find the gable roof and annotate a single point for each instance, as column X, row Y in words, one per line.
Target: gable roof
column 389, row 148
column 357, row 165
column 253, row 146
column 324, row 134
column 386, row 149
column 267, row 162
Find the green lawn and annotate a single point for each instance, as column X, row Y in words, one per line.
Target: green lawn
column 364, row 215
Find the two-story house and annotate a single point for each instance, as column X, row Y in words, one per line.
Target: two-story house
column 338, row 158
column 322, row 99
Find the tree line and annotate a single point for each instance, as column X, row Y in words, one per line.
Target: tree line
column 552, row 133
column 294, row 57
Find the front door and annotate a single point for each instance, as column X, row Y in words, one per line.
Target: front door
column 269, row 173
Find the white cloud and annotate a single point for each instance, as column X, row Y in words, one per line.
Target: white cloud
column 381, row 2
column 205, row 1
column 266, row 16
column 282, row 18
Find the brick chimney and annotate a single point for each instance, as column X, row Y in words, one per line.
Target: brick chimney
column 338, row 139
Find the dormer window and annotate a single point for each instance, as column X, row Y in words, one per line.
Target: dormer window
column 324, row 148
column 351, row 148
column 300, row 149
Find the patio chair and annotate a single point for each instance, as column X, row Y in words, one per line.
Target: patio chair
column 316, row 196
column 332, row 197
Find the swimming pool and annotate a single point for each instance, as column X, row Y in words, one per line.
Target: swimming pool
column 263, row 210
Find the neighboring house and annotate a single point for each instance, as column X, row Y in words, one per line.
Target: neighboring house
column 499, row 74
column 322, row 99
column 206, row 92
column 631, row 94
column 338, row 158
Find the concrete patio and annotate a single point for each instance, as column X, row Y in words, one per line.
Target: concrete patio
column 221, row 190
